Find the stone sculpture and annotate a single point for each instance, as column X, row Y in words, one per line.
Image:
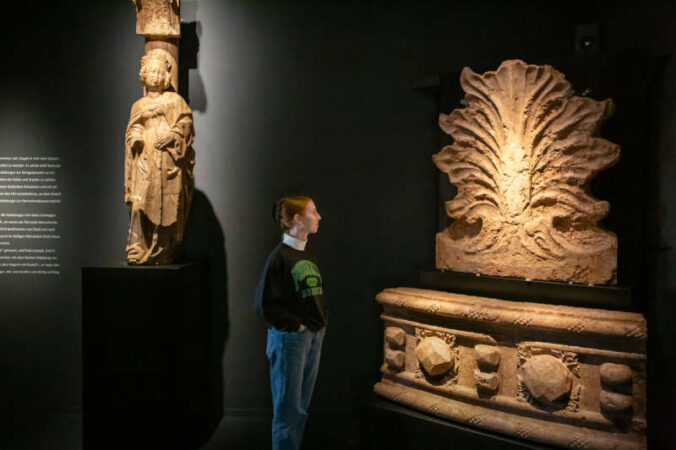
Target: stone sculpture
column 524, row 152
column 158, row 18
column 159, row 162
column 565, row 376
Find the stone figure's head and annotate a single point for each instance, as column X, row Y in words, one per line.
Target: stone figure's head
column 156, row 70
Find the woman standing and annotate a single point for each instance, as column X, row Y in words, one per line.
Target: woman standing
column 290, row 299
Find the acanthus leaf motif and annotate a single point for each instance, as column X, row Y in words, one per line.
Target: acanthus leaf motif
column 524, row 151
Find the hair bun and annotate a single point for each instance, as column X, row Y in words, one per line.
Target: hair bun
column 276, row 210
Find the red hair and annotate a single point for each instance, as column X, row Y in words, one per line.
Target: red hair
column 287, row 207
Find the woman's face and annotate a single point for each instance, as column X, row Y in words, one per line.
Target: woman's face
column 310, row 218
column 155, row 75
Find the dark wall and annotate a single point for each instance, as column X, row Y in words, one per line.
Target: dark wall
column 297, row 97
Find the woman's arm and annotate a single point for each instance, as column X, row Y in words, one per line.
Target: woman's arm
column 270, row 302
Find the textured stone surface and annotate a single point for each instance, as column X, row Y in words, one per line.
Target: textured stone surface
column 487, row 357
column 395, row 358
column 434, row 355
column 395, row 336
column 159, row 161
column 531, row 339
column 546, row 378
column 614, row 403
column 524, row 152
column 489, row 381
column 158, row 18
column 615, row 374
column 561, row 346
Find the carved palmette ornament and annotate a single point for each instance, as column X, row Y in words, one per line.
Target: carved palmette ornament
column 524, row 152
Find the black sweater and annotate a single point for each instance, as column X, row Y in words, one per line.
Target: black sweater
column 290, row 291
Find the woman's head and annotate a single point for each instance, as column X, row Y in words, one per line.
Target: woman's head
column 155, row 71
column 297, row 213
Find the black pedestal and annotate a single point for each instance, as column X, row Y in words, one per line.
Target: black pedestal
column 145, row 356
column 389, row 426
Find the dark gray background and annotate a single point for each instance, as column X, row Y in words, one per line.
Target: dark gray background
column 312, row 97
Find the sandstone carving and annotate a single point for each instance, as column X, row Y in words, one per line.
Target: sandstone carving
column 395, row 358
column 434, row 356
column 487, row 357
column 524, row 152
column 614, row 403
column 489, row 381
column 546, row 378
column 159, row 161
column 615, row 374
column 158, row 18
column 395, row 336
column 558, row 383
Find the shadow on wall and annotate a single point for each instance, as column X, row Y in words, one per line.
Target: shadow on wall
column 189, row 47
column 204, row 241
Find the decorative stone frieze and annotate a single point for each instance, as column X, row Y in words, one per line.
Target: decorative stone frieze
column 524, row 369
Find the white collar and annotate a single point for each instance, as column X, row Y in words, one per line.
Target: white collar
column 294, row 242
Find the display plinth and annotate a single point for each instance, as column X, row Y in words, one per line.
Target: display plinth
column 145, row 356
column 559, row 375
column 519, row 289
column 390, row 426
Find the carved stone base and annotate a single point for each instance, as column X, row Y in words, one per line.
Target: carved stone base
column 566, row 376
column 589, row 267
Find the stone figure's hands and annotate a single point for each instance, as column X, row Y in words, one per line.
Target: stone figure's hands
column 165, row 141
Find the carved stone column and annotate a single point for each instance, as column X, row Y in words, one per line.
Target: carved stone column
column 159, row 157
column 159, row 21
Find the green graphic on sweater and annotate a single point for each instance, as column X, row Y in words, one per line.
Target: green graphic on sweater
column 307, row 279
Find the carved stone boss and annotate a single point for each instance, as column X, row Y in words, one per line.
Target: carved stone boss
column 565, row 376
column 159, row 157
column 523, row 154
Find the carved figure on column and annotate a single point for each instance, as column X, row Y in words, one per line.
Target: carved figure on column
column 158, row 18
column 159, row 162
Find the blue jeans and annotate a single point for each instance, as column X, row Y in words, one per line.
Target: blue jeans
column 294, row 360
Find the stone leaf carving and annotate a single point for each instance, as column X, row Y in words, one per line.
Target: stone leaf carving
column 524, row 152
column 546, row 378
column 434, row 356
column 158, row 18
column 159, row 161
